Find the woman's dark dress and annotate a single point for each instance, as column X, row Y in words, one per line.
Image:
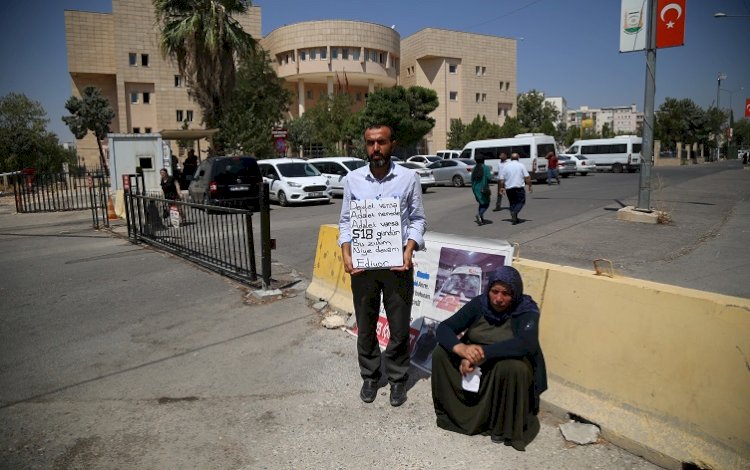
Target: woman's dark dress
column 502, row 405
column 513, row 375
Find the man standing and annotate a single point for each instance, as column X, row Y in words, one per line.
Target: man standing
column 512, row 179
column 503, row 159
column 383, row 179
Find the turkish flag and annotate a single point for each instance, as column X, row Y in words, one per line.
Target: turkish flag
column 670, row 23
column 747, row 107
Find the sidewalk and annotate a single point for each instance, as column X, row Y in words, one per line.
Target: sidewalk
column 115, row 355
column 704, row 247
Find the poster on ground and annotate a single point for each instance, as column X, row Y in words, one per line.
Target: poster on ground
column 449, row 272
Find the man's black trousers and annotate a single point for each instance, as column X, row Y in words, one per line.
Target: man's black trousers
column 398, row 290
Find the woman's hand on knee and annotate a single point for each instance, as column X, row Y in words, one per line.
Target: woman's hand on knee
column 471, row 352
column 466, row 367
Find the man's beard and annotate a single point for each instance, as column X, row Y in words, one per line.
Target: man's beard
column 383, row 161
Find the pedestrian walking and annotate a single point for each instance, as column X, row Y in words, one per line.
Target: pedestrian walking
column 499, row 203
column 480, row 186
column 512, row 181
column 552, row 168
column 383, row 178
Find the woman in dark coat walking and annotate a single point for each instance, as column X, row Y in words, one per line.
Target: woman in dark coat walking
column 500, row 337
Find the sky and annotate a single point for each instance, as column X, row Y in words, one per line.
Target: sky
column 567, row 48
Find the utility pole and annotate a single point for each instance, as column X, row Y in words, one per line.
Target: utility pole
column 718, row 95
column 647, row 149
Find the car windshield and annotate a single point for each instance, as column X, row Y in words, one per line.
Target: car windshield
column 354, row 164
column 296, row 170
column 409, row 165
column 562, row 157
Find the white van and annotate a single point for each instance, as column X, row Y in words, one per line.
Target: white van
column 531, row 148
column 448, row 154
column 335, row 169
column 617, row 154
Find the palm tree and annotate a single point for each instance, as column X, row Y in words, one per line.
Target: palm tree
column 206, row 42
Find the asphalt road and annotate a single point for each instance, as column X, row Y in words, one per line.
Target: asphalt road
column 577, row 216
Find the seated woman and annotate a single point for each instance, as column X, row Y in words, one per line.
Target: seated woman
column 500, row 337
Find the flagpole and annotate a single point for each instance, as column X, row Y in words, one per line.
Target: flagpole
column 647, row 149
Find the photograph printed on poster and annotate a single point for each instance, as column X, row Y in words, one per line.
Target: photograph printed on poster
column 461, row 276
column 426, row 342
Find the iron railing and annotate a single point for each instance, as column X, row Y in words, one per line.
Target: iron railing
column 217, row 238
column 63, row 191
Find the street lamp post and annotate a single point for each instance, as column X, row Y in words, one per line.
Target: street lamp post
column 724, row 15
column 718, row 88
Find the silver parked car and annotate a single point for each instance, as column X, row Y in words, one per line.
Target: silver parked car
column 425, row 176
column 455, row 172
column 423, row 160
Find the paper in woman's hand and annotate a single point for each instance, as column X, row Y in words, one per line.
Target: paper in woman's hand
column 470, row 381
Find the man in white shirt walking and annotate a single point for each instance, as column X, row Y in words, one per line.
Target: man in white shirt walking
column 513, row 176
column 503, row 160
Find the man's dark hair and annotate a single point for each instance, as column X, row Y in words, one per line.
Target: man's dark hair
column 378, row 126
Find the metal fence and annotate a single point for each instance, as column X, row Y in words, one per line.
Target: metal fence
column 62, row 191
column 218, row 238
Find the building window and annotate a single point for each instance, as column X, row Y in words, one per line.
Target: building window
column 373, row 56
column 334, row 53
column 146, row 163
column 382, row 57
column 453, row 95
column 355, row 54
column 484, row 70
column 133, row 97
column 178, row 81
column 452, row 68
column 313, row 54
column 507, row 86
column 302, row 55
column 358, row 96
column 147, row 130
column 132, row 59
column 144, row 60
column 178, row 115
column 323, row 53
column 146, row 97
column 476, row 70
column 189, row 117
column 345, row 53
column 484, row 97
column 309, row 94
column 136, row 130
column 476, row 97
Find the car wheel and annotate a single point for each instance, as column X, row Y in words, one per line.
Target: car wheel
column 541, row 180
column 617, row 168
column 583, row 173
column 283, row 202
column 424, row 189
column 458, row 181
column 565, row 175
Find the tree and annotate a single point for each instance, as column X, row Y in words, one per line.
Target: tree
column 536, row 115
column 334, row 123
column 571, row 134
column 456, row 135
column 478, row 129
column 24, row 139
column 206, row 42
column 686, row 122
column 405, row 109
column 254, row 107
column 511, row 127
column 741, row 132
column 606, row 131
column 301, row 133
column 92, row 113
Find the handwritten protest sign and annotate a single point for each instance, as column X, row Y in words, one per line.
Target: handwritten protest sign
column 376, row 233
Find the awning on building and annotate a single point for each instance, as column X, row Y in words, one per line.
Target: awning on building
column 187, row 134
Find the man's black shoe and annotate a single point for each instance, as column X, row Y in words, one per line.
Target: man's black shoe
column 369, row 390
column 398, row 394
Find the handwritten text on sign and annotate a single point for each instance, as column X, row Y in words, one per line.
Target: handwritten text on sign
column 376, row 233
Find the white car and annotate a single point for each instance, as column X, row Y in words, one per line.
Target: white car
column 583, row 166
column 425, row 176
column 423, row 160
column 293, row 181
column 335, row 170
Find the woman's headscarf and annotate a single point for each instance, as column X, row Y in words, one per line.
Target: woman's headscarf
column 512, row 278
column 478, row 172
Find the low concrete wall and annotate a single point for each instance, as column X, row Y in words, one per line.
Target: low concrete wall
column 663, row 370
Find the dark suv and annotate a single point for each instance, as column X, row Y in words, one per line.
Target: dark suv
column 227, row 182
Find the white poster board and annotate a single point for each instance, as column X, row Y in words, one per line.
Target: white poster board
column 376, row 233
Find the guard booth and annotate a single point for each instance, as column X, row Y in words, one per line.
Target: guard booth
column 144, row 154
